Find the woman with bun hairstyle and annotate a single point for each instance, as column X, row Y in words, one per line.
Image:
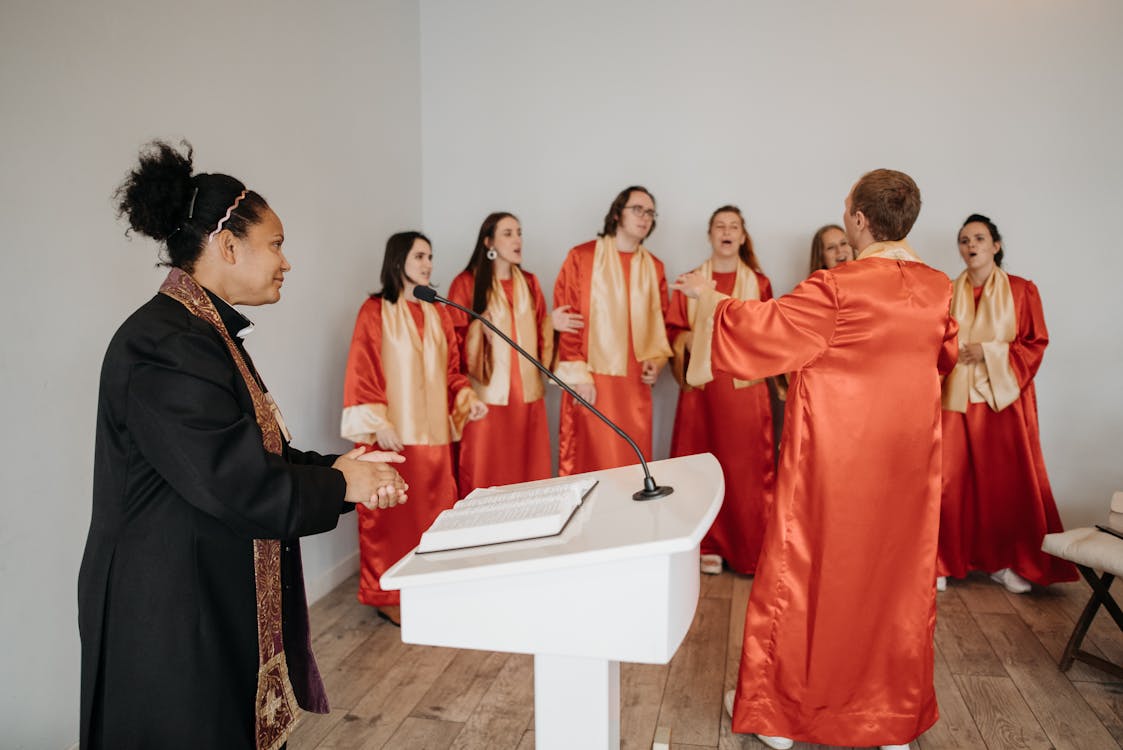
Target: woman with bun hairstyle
column 727, row 417
column 513, row 444
column 404, row 391
column 191, row 606
column 829, row 247
column 997, row 503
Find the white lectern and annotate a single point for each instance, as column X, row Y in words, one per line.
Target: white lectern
column 620, row 583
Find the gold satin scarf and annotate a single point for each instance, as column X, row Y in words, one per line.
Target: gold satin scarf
column 416, row 370
column 275, row 707
column 893, row 250
column 700, row 371
column 489, row 365
column 610, row 310
column 993, row 323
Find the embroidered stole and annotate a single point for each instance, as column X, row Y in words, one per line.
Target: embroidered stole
column 700, row 370
column 610, row 310
column 275, row 707
column 489, row 363
column 416, row 370
column 992, row 323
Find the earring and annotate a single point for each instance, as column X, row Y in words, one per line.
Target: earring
column 492, row 255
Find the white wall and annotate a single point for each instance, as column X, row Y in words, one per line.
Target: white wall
column 1007, row 107
column 315, row 105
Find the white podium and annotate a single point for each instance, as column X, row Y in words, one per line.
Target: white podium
column 620, row 583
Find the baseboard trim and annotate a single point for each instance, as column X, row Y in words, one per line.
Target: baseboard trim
column 321, row 585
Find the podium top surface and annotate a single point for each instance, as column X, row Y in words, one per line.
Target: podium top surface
column 609, row 525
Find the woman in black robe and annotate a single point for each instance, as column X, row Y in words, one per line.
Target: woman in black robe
column 191, row 606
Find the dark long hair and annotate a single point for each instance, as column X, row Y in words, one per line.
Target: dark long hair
column 994, row 234
column 612, row 218
column 164, row 201
column 479, row 265
column 745, row 252
column 394, row 263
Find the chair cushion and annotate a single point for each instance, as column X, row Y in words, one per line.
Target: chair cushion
column 1089, row 547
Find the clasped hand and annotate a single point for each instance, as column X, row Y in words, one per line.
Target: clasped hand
column 371, row 481
column 970, row 354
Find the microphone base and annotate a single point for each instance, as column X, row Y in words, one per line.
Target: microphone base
column 652, row 494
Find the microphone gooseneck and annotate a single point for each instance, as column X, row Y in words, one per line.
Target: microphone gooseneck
column 650, row 489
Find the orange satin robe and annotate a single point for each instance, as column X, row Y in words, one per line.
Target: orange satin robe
column 584, row 442
column 385, row 536
column 735, row 424
column 997, row 503
column 512, row 443
column 838, row 633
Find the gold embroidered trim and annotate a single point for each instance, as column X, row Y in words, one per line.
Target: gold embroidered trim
column 276, row 709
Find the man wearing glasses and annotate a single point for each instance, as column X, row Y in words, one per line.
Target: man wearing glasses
column 620, row 290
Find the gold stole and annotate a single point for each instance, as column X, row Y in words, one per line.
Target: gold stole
column 893, row 250
column 700, row 370
column 610, row 312
column 489, row 365
column 416, row 371
column 275, row 707
column 994, row 325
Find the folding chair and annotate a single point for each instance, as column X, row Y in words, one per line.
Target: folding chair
column 1092, row 550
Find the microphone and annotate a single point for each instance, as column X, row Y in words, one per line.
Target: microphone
column 650, row 490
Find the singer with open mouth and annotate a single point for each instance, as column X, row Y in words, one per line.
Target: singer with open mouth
column 997, row 503
column 495, row 285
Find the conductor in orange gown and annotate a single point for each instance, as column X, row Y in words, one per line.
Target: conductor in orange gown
column 620, row 290
column 838, row 633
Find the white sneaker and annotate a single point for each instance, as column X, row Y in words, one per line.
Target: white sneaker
column 711, row 564
column 1013, row 582
column 777, row 743
column 941, row 585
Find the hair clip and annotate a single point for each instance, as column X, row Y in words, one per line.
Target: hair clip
column 191, row 208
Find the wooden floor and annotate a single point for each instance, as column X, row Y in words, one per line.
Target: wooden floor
column 996, row 679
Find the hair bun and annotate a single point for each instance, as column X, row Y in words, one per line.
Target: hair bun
column 155, row 195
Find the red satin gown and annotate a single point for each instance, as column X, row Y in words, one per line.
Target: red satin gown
column 512, row 443
column 838, row 643
column 734, row 424
column 585, row 443
column 385, row 536
column 997, row 503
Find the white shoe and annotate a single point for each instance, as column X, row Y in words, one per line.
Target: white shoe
column 777, row 743
column 711, row 564
column 1013, row 582
column 941, row 585
column 894, row 747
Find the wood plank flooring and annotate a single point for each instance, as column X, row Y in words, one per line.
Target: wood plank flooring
column 996, row 679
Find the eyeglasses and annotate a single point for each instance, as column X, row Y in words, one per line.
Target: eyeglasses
column 640, row 211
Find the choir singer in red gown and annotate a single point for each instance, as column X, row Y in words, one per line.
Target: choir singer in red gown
column 726, row 416
column 404, row 391
column 997, row 503
column 619, row 289
column 513, row 443
column 838, row 633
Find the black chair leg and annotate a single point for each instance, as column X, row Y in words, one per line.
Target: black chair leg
column 1101, row 595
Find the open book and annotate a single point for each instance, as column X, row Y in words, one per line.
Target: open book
column 489, row 516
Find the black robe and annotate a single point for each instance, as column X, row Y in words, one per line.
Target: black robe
column 182, row 486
